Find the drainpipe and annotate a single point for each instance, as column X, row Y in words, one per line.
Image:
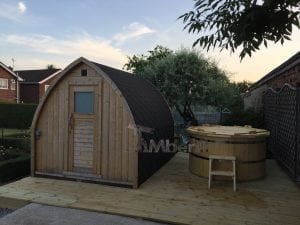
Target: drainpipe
column 18, row 89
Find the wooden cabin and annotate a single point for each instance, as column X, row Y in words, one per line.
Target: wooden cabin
column 90, row 125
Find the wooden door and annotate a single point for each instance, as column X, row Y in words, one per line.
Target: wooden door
column 83, row 129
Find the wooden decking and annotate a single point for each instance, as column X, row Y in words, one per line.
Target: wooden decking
column 174, row 195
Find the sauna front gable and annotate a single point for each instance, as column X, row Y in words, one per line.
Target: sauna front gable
column 89, row 125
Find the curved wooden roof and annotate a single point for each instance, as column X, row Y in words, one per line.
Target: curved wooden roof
column 147, row 106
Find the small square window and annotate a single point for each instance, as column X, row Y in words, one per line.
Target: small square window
column 83, row 73
column 84, row 102
column 12, row 84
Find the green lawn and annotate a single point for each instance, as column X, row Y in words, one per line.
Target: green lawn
column 14, row 133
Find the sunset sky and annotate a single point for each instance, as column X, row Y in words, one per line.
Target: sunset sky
column 36, row 33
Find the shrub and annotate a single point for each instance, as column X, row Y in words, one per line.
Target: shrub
column 16, row 143
column 17, row 116
column 14, row 168
column 245, row 117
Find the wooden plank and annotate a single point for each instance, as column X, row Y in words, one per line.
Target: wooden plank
column 174, row 195
column 71, row 128
column 112, row 135
column 49, row 153
column 95, row 129
column 132, row 159
column 99, row 125
column 80, row 81
column 55, row 126
column 76, row 72
column 61, row 128
column 125, row 147
column 83, row 155
column 45, row 140
column 105, row 130
column 119, row 131
column 40, row 151
column 66, row 109
column 136, row 144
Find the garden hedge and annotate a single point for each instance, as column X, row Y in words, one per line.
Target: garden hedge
column 14, row 168
column 16, row 143
column 16, row 116
column 245, row 117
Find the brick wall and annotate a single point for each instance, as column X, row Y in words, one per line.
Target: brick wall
column 254, row 98
column 291, row 76
column 42, row 90
column 8, row 95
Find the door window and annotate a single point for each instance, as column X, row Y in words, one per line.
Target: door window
column 84, row 102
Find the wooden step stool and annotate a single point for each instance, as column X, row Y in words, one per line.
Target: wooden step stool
column 212, row 172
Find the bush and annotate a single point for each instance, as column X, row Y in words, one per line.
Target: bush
column 17, row 116
column 10, row 153
column 16, row 143
column 245, row 117
column 14, row 168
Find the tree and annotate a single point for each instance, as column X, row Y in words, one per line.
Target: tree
column 50, row 67
column 137, row 63
column 243, row 86
column 229, row 24
column 185, row 78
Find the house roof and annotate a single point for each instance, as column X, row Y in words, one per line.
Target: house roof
column 148, row 106
column 10, row 71
column 288, row 64
column 37, row 76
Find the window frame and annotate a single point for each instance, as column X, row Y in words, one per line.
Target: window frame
column 46, row 87
column 92, row 111
column 2, row 87
column 13, row 84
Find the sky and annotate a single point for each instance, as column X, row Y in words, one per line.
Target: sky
column 36, row 33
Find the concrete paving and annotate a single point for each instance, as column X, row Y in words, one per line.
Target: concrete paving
column 4, row 211
column 36, row 214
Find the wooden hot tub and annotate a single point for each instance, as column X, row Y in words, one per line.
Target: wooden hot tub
column 247, row 144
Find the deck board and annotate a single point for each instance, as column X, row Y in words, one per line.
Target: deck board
column 174, row 195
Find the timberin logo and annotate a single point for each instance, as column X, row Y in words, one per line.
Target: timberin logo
column 164, row 146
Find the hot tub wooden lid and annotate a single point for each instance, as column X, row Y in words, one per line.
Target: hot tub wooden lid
column 227, row 131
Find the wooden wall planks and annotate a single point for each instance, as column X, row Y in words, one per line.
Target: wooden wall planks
column 116, row 154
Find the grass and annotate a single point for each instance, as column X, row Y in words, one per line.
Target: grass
column 14, row 133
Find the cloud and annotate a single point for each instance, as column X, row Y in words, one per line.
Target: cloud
column 92, row 47
column 22, row 7
column 12, row 11
column 132, row 31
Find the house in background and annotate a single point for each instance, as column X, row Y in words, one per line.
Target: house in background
column 35, row 83
column 288, row 72
column 9, row 84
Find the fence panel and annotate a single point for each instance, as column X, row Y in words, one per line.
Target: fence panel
column 270, row 109
column 282, row 120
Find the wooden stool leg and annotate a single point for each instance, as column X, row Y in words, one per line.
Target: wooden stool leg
column 209, row 174
column 234, row 176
